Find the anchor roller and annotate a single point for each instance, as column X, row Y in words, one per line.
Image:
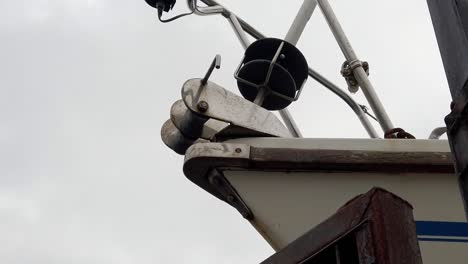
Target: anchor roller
column 272, row 73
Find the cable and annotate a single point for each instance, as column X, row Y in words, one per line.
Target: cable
column 160, row 12
column 366, row 111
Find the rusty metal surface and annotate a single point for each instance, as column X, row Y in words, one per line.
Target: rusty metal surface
column 378, row 224
column 393, row 231
column 398, row 133
column 349, row 160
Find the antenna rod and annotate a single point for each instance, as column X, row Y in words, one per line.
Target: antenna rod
column 293, row 36
column 300, row 22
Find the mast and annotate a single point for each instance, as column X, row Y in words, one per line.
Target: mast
column 450, row 20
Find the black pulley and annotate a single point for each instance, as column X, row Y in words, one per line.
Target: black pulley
column 287, row 67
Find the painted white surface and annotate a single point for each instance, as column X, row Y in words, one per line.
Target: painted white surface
column 286, row 205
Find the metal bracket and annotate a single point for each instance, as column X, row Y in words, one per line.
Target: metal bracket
column 245, row 118
column 230, row 195
column 347, row 71
column 211, row 113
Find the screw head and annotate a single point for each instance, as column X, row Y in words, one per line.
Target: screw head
column 238, row 150
column 203, row 106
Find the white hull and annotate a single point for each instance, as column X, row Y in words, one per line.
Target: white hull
column 292, row 197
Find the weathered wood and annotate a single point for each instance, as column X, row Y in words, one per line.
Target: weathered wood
column 337, row 160
column 376, row 226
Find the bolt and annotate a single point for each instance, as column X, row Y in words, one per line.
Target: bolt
column 282, row 57
column 238, row 150
column 203, row 106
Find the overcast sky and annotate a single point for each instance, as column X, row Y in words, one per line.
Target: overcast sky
column 85, row 86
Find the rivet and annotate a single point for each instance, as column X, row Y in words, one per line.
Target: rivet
column 203, row 106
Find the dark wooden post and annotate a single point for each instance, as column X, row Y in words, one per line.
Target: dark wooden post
column 450, row 20
column 377, row 227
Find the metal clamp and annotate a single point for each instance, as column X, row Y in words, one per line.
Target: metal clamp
column 347, row 71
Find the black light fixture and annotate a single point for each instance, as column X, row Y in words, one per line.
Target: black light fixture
column 164, row 5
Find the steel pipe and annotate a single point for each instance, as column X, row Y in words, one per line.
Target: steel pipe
column 240, row 33
column 350, row 101
column 300, row 22
column 438, row 132
column 358, row 70
column 293, row 36
column 290, row 123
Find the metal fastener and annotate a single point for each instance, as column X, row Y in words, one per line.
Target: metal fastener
column 203, row 106
column 238, row 150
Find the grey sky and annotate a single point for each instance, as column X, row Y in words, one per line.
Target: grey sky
column 85, row 86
